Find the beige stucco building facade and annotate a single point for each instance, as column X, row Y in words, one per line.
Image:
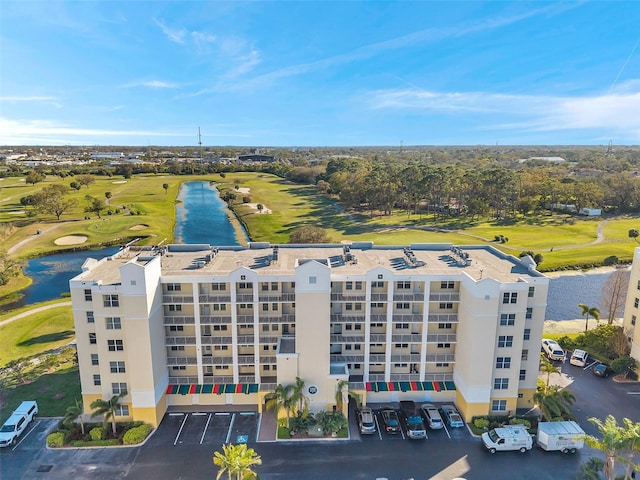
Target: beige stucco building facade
column 201, row 325
column 632, row 307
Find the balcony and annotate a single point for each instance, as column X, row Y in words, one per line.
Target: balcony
column 277, row 297
column 245, row 339
column 182, row 361
column 444, row 297
column 377, row 357
column 406, row 338
column 408, row 297
column 268, row 360
column 186, row 380
column 378, row 337
column 244, row 297
column 378, row 317
column 443, row 318
column 379, row 297
column 217, row 360
column 169, row 341
column 247, row 378
column 210, row 378
column 346, row 338
column 405, row 357
column 215, row 319
column 441, row 358
column 171, row 320
column 441, row 338
column 245, row 319
column 407, row 317
column 216, row 340
column 277, row 318
column 208, row 298
column 347, row 358
column 177, row 299
column 347, row 318
column 348, row 297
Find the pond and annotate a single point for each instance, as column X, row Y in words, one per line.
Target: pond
column 201, row 217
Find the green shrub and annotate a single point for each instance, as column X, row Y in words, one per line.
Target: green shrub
column 481, row 423
column 520, row 421
column 283, row 433
column 95, row 443
column 96, row 433
column 55, row 440
column 611, row 260
column 136, row 435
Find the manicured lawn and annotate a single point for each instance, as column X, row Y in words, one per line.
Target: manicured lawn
column 36, row 333
column 54, row 392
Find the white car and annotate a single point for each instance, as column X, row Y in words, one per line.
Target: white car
column 579, row 358
column 552, row 349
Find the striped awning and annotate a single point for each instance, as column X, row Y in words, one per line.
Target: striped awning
column 216, row 388
column 409, row 386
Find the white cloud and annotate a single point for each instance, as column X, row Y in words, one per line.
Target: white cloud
column 174, row 35
column 611, row 112
column 54, row 101
column 152, row 84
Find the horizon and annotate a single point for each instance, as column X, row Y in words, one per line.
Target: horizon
column 323, row 74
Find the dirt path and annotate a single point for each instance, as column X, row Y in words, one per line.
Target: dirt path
column 35, row 310
column 28, row 239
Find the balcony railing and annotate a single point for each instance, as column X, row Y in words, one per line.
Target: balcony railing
column 407, row 317
column 405, row 357
column 244, row 297
column 347, row 358
column 377, row 358
column 215, row 319
column 441, row 338
column 246, row 378
column 277, row 318
column 277, row 297
column 216, row 340
column 177, row 299
column 378, row 337
column 379, row 297
column 441, row 358
column 188, row 320
column 348, row 297
column 217, row 360
column 168, row 341
column 443, row 318
column 186, row 380
column 347, row 318
column 208, row 298
column 444, row 297
column 346, row 338
column 210, row 378
column 408, row 297
column 245, row 339
column 182, row 361
column 406, row 338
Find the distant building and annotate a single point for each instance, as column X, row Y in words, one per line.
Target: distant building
column 590, row 212
column 255, row 157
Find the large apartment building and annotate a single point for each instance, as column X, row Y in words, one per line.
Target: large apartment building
column 632, row 307
column 201, row 325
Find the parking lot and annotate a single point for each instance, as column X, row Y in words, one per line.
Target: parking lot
column 206, row 428
column 445, row 433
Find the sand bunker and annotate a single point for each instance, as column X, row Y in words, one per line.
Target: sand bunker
column 142, row 226
column 70, row 240
column 254, row 206
column 120, row 181
column 243, row 190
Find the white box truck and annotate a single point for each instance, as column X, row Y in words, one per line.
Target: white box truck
column 566, row 437
column 509, row 437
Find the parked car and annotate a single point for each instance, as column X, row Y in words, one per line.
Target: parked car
column 390, row 420
column 452, row 416
column 432, row 416
column 412, row 420
column 366, row 421
column 579, row 358
column 602, row 370
column 552, row 349
column 17, row 423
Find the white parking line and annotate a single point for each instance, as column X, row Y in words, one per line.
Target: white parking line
column 204, row 432
column 202, row 414
column 375, row 417
column 223, row 414
column 233, row 418
column 176, row 414
column 446, row 430
column 590, row 365
column 180, row 431
column 25, row 436
column 633, row 393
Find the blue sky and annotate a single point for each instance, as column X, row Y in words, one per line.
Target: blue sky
column 269, row 73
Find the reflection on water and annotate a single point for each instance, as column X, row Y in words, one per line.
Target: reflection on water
column 202, row 216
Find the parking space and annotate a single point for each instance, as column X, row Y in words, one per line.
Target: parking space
column 201, row 428
column 445, row 433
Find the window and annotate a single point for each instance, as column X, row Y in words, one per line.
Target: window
column 358, row 285
column 638, row 286
column 265, row 307
column 348, row 326
column 444, row 345
column 403, row 306
column 221, row 347
column 527, row 334
column 505, row 341
column 633, row 319
column 122, row 411
column 245, row 306
column 178, row 367
column 274, row 327
column 117, row 367
column 529, row 313
column 219, row 328
column 510, row 297
column 174, row 287
column 357, row 326
column 444, row 285
column 94, row 359
column 218, row 287
column 264, row 287
column 503, row 362
column 377, row 305
column 90, row 318
column 347, row 347
column 92, row 338
column 348, row 307
column 523, row 374
column 507, row 319
column 274, row 286
column 525, row 354
column 532, row 292
column 313, row 280
column 219, row 307
column 111, row 300
column 499, row 405
column 357, row 347
column 96, row 380
column 245, row 285
column 118, row 388
column 445, row 325
column 636, row 302
column 87, row 295
column 446, row 306
column 403, row 285
column 176, row 328
column 402, row 345
column 177, row 348
column 175, row 308
column 348, row 285
column 115, row 345
column 442, row 364
column 402, row 326
column 500, row 383
column 113, row 323
column 377, row 284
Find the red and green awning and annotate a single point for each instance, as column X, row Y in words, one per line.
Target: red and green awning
column 216, row 388
column 409, row 386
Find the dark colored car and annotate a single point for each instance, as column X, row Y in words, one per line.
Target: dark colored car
column 601, row 370
column 390, row 420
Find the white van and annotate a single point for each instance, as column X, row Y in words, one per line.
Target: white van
column 12, row 429
column 579, row 358
column 509, row 437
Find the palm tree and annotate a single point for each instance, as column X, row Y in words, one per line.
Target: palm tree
column 586, row 311
column 236, row 460
column 107, row 408
column 554, row 402
column 547, row 367
column 614, row 440
column 74, row 412
column 340, row 395
column 281, row 398
column 299, row 397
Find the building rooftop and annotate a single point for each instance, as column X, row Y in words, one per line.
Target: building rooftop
column 419, row 259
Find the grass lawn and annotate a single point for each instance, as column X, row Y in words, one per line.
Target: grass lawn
column 36, row 333
column 54, row 392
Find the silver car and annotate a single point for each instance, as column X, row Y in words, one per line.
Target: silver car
column 432, row 416
column 366, row 421
column 453, row 417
